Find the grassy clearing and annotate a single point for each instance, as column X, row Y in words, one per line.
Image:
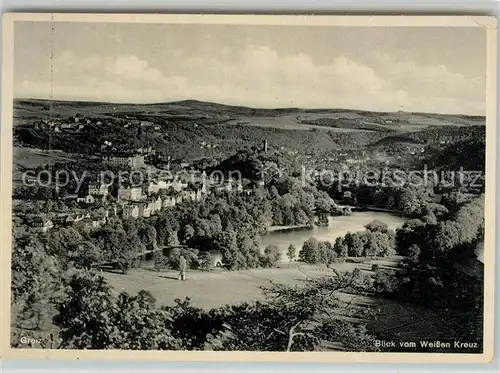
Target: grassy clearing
column 30, row 157
column 26, row 158
column 219, row 287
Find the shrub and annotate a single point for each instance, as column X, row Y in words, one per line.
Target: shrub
column 205, row 261
column 291, row 252
column 385, row 283
column 160, row 261
column 271, row 256
column 191, row 256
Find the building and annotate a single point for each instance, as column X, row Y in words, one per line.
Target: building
column 144, row 210
column 98, row 189
column 43, row 224
column 132, row 161
column 98, row 222
column 80, row 217
column 110, row 211
column 67, row 126
column 177, row 185
column 86, row 199
column 234, row 186
column 158, row 204
column 146, row 150
column 193, row 193
column 72, row 218
column 130, row 193
column 168, row 201
column 130, row 211
column 154, row 187
column 151, row 206
column 89, row 223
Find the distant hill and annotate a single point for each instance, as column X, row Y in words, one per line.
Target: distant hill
column 432, row 135
column 192, row 129
column 39, row 108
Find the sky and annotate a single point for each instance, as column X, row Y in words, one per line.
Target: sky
column 426, row 69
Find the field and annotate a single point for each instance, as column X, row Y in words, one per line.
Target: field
column 288, row 121
column 29, row 158
column 219, row 287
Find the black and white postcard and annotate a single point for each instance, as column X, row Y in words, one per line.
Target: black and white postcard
column 248, row 188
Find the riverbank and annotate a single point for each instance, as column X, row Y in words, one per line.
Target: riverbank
column 282, row 228
column 338, row 226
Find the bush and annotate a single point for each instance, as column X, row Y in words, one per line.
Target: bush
column 271, row 256
column 314, row 252
column 205, row 261
column 191, row 256
column 385, row 283
column 160, row 261
column 291, row 252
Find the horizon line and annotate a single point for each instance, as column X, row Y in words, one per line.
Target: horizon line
column 242, row 106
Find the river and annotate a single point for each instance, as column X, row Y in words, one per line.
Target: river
column 338, row 226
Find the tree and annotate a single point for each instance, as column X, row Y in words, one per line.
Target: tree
column 340, row 247
column 377, row 226
column 160, row 261
column 188, row 234
column 86, row 313
column 372, row 247
column 414, row 253
column 439, row 211
column 172, row 238
column 191, row 256
column 226, row 242
column 292, row 318
column 309, row 252
column 413, row 232
column 35, row 282
column 291, row 252
column 116, row 246
column 90, row 317
column 205, row 261
column 412, row 201
column 148, row 236
column 272, row 255
column 85, row 254
column 355, row 243
column 325, row 252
